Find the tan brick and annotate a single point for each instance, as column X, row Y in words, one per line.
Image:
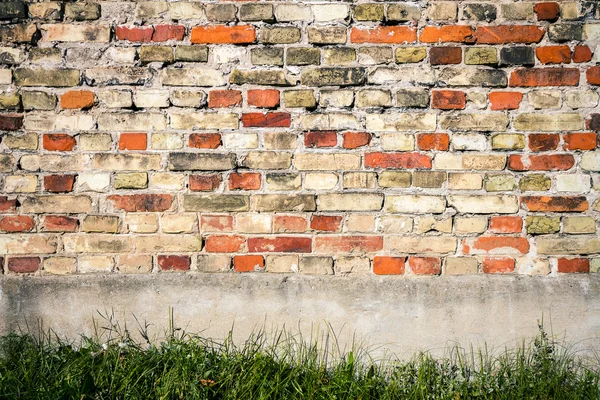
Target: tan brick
column 282, row 263
column 314, row 265
column 464, row 225
column 568, row 245
column 415, row 204
column 532, row 266
column 20, row 183
column 352, row 266
column 394, row 224
column 95, row 264
column 76, row 33
column 501, row 204
column 100, row 224
column 134, row 264
column 96, row 243
column 330, row 162
column 127, row 162
column 141, row 223
column 167, row 243
column 420, row 244
column 253, row 223
column 179, row 223
column 71, row 204
column 320, row 181
column 27, row 244
column 60, row 265
column 349, row 202
column 213, row 263
column 460, row 266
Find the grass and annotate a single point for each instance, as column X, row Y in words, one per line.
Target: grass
column 185, row 366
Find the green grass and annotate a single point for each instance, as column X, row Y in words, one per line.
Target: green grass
column 185, row 366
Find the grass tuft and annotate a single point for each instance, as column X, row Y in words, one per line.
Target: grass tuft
column 184, row 366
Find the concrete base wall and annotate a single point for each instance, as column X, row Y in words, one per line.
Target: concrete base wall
column 395, row 315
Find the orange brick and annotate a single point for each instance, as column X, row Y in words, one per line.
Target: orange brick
column 504, row 224
column 582, row 54
column 248, row 263
column 580, row 141
column 397, row 160
column 592, row 75
column 573, row 265
column 224, row 243
column 531, row 77
column 244, row 181
column 224, row 98
column 384, row 34
column 77, row 99
column 548, row 11
column 543, row 141
column 496, row 244
column 505, row 100
column 425, row 265
column 320, row 139
column 133, row 141
column 204, row 140
column 383, row 265
column 448, row 33
column 433, row 141
column 509, row 34
column 554, row 204
column 222, row 34
column 58, row 142
column 553, row 54
column 327, row 223
column 354, row 140
column 289, row 223
column 204, row 183
column 498, row 265
column 546, row 162
column 265, row 98
column 448, row 99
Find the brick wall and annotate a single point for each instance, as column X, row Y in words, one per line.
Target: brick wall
column 440, row 137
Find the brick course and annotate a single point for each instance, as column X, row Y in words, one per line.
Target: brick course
column 378, row 138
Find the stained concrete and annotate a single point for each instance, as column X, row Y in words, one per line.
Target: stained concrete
column 386, row 313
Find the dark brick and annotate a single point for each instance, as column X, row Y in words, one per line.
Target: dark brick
column 445, row 55
column 520, row 55
column 13, row 9
column 565, row 32
column 82, row 11
column 23, row 265
column 11, row 122
column 303, row 56
column 594, row 123
column 480, row 12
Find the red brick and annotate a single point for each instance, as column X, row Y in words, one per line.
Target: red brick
column 546, row 162
column 496, row 244
column 320, row 139
column 548, row 11
column 384, row 34
column 447, row 33
column 11, row 122
column 582, row 54
column 505, row 100
column 573, row 265
column 163, row 33
column 531, row 77
column 7, row 205
column 204, row 183
column 498, row 265
column 348, row 244
column 553, row 54
column 174, row 263
column 224, row 243
column 133, row 141
column 205, row 140
column 580, row 141
column 289, row 223
column 554, row 204
column 327, row 223
column 268, row 120
column 142, row 202
column 216, row 223
column 433, row 141
column 244, row 181
column 59, row 183
column 224, row 98
column 134, row 33
column 445, row 55
column 448, row 99
column 248, row 263
column 509, row 34
column 221, row 34
column 58, row 142
column 397, row 160
column 16, row 223
column 506, row 224
column 383, row 265
column 425, row 265
column 77, row 99
column 280, row 244
column 265, row 98
column 543, row 141
column 59, row 223
column 354, row 140
column 23, row 265
column 592, row 75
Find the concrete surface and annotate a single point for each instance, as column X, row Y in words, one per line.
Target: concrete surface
column 386, row 313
